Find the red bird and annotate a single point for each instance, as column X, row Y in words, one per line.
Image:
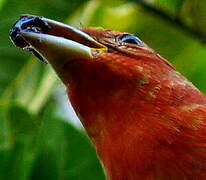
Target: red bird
column 146, row 121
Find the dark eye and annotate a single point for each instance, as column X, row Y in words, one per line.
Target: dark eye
column 127, row 38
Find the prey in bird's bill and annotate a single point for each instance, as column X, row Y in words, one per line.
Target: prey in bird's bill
column 145, row 120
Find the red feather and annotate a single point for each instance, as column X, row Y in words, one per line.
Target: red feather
column 146, row 120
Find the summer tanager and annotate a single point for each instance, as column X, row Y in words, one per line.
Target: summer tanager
column 146, row 121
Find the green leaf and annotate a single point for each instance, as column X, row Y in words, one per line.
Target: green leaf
column 171, row 6
column 45, row 148
column 17, row 157
column 65, row 152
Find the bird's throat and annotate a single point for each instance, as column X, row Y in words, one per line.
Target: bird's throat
column 123, row 115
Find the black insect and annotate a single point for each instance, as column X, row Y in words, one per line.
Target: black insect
column 28, row 23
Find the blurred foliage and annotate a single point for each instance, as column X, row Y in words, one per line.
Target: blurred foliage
column 35, row 143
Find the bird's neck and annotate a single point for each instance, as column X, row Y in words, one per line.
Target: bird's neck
column 127, row 122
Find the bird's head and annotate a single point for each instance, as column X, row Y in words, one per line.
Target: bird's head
column 130, row 100
column 71, row 51
column 105, row 69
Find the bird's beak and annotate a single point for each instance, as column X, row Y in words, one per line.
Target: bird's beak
column 53, row 41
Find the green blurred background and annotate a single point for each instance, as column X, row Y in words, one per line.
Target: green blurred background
column 40, row 137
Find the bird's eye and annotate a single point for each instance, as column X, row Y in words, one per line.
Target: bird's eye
column 127, row 38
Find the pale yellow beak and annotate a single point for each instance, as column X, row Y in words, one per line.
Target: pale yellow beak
column 56, row 42
column 57, row 50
